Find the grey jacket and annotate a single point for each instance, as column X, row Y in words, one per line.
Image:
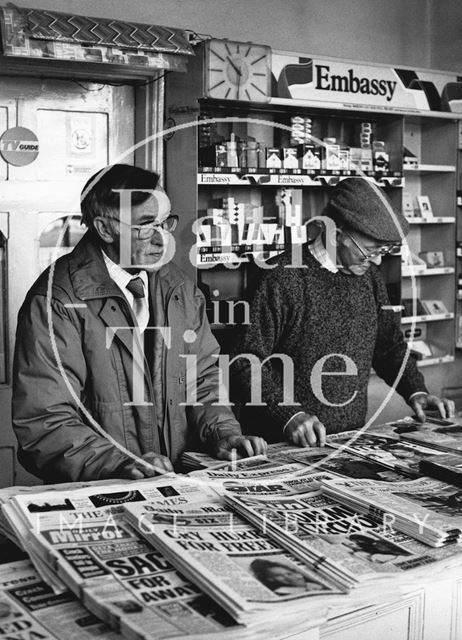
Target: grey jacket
column 71, row 387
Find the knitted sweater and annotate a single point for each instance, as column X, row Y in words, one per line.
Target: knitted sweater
column 309, row 314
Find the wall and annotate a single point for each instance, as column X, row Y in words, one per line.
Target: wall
column 395, row 31
column 446, row 35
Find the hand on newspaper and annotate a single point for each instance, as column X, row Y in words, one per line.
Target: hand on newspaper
column 305, row 430
column 137, row 470
column 424, row 401
column 245, row 447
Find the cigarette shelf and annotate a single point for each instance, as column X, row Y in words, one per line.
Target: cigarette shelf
column 222, row 176
column 418, row 271
column 427, row 318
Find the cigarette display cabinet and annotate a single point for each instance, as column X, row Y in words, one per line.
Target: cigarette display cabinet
column 244, row 184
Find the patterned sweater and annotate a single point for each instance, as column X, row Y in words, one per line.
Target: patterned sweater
column 310, row 314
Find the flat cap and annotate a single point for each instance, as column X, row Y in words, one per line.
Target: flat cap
column 361, row 206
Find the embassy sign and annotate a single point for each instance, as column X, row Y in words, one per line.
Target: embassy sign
column 352, row 84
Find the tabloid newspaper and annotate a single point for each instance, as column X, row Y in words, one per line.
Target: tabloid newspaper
column 350, row 546
column 395, row 454
column 242, row 569
column 29, row 610
column 439, row 434
column 427, row 509
column 83, row 538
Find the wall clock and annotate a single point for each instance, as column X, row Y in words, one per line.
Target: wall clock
column 237, row 70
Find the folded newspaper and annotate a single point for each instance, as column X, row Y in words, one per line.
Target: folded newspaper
column 83, row 539
column 402, row 457
column 250, row 576
column 29, row 610
column 426, row 509
column 351, row 547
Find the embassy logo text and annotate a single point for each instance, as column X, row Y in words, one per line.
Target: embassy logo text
column 349, row 83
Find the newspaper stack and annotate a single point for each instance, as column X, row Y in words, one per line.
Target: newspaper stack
column 386, row 449
column 85, row 542
column 350, row 547
column 30, row 610
column 442, row 435
column 251, row 577
column 426, row 509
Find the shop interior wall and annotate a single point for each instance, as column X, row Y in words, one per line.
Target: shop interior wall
column 421, row 33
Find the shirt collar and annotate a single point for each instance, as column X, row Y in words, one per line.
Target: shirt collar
column 319, row 252
column 120, row 276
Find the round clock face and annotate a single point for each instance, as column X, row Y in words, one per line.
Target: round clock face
column 237, row 71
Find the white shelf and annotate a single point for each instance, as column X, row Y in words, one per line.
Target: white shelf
column 434, row 220
column 426, row 362
column 417, row 270
column 427, row 318
column 430, row 168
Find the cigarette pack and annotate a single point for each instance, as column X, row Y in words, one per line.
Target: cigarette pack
column 309, row 156
column 273, row 158
column 290, row 160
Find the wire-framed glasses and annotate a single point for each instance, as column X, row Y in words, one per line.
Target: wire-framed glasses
column 378, row 252
column 146, row 231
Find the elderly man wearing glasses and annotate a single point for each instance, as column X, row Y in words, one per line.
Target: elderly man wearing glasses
column 107, row 341
column 333, row 321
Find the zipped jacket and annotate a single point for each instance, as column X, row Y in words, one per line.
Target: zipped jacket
column 76, row 386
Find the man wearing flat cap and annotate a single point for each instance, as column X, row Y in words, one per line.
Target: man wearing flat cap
column 333, row 321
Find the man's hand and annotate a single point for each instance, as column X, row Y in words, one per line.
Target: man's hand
column 305, row 431
column 245, row 447
column 137, row 470
column 424, row 401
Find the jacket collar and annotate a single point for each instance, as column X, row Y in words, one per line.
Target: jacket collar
column 90, row 278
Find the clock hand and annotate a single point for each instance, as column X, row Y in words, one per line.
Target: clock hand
column 236, row 69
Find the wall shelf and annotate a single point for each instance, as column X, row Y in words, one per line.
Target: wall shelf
column 418, row 271
column 427, row 318
column 429, row 168
column 426, row 362
column 434, row 220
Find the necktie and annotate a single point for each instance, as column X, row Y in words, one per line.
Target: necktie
column 136, row 287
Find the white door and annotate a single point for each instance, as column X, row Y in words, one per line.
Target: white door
column 81, row 127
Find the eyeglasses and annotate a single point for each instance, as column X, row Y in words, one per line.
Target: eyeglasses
column 374, row 253
column 146, row 231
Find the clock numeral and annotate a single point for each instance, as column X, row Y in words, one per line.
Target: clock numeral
column 254, row 73
column 227, row 93
column 248, row 51
column 217, row 54
column 258, row 59
column 227, row 48
column 247, row 94
column 216, row 85
column 221, row 71
column 257, row 88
